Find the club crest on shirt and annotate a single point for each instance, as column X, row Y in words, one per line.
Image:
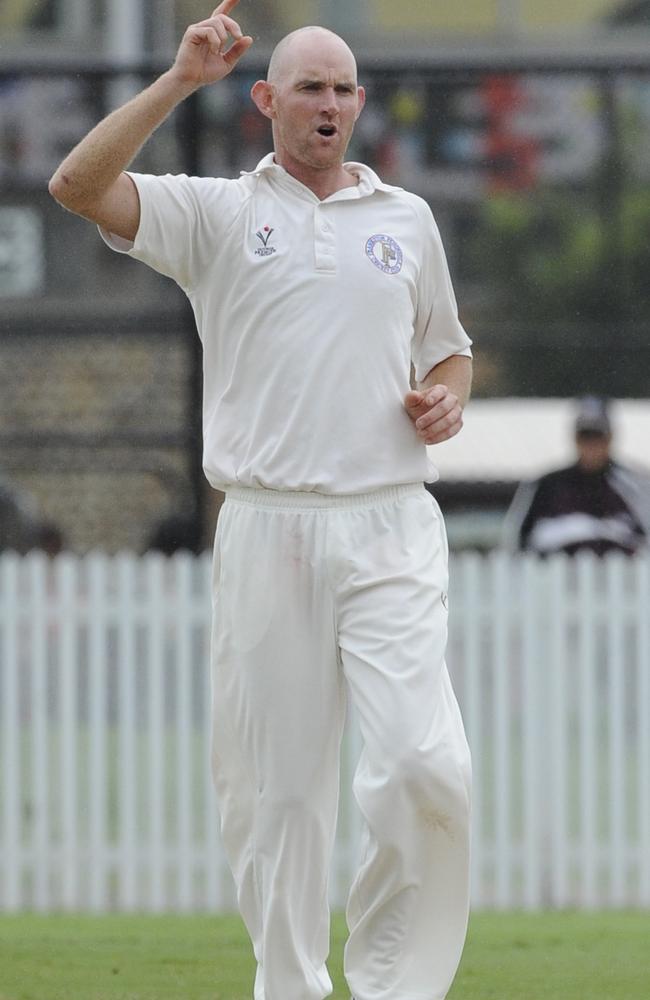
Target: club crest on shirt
column 385, row 253
column 264, row 249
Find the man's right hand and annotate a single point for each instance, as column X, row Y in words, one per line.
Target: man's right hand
column 204, row 55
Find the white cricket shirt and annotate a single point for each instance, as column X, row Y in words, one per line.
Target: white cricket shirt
column 310, row 313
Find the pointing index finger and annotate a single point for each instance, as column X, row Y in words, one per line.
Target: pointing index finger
column 227, row 22
column 225, row 7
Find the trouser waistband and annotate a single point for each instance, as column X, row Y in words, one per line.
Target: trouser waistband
column 293, row 499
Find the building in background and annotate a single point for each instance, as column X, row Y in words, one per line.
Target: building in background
column 155, row 25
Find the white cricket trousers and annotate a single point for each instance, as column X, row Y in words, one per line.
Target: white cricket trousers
column 314, row 597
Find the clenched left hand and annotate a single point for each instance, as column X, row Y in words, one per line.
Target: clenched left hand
column 436, row 413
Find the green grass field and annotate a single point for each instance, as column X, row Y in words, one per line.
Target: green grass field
column 568, row 956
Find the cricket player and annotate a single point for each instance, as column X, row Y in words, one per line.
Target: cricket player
column 315, row 287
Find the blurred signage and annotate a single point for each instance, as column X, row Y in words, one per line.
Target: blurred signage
column 504, row 132
column 519, row 130
column 22, row 266
column 41, row 119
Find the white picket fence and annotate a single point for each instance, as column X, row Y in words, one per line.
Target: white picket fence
column 106, row 800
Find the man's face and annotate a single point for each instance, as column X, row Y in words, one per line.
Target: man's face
column 593, row 450
column 316, row 102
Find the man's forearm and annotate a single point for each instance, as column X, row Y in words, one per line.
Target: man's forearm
column 98, row 160
column 456, row 373
column 90, row 181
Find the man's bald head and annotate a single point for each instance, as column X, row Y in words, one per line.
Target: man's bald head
column 313, row 99
column 292, row 45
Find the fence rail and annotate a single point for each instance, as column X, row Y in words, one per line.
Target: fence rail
column 105, row 795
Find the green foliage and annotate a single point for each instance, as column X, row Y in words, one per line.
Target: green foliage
column 542, row 256
column 568, row 298
column 556, row 255
column 635, row 243
column 508, row 957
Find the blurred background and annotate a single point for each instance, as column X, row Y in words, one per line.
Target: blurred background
column 526, row 126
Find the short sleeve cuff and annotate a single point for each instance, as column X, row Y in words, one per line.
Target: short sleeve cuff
column 424, row 364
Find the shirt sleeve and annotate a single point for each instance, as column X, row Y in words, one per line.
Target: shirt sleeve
column 438, row 332
column 181, row 219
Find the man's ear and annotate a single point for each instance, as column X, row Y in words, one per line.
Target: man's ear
column 361, row 95
column 263, row 98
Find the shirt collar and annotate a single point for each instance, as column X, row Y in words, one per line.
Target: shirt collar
column 368, row 179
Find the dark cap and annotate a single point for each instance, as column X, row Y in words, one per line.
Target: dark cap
column 592, row 417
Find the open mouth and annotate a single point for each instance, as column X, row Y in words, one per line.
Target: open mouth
column 327, row 130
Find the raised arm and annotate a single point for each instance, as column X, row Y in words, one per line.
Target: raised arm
column 91, row 181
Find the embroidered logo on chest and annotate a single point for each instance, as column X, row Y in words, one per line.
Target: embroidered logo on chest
column 265, row 249
column 385, row 253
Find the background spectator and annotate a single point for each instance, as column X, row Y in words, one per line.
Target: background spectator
column 595, row 504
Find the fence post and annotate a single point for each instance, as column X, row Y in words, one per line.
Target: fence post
column 11, row 854
column 66, row 590
column 38, row 782
column 643, row 726
column 561, row 612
